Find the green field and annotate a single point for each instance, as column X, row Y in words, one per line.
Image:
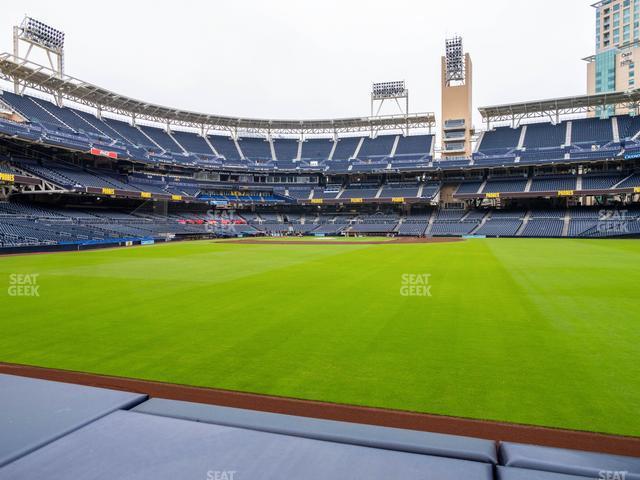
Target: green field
column 543, row 332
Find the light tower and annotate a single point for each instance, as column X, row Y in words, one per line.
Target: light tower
column 393, row 91
column 37, row 34
column 457, row 85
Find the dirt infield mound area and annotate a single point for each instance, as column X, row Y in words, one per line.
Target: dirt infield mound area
column 339, row 241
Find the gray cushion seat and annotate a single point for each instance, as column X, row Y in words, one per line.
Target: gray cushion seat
column 508, row 473
column 131, row 445
column 464, row 448
column 34, row 412
column 571, row 462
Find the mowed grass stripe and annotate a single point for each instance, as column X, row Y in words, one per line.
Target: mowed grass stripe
column 530, row 331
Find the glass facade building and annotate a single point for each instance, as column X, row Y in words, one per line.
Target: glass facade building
column 617, row 42
column 617, row 23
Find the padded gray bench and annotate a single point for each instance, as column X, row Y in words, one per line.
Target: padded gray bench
column 508, row 473
column 131, row 445
column 35, row 412
column 426, row 443
column 570, row 462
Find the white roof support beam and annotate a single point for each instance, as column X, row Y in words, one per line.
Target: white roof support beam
column 44, row 79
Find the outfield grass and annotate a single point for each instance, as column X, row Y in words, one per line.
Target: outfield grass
column 541, row 332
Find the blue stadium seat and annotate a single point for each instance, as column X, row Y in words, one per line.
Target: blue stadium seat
column 499, row 140
column 377, row 147
column 346, row 148
column 545, row 135
column 592, row 131
column 414, row 145
column 225, row 146
column 286, row 148
column 316, row 148
column 255, row 148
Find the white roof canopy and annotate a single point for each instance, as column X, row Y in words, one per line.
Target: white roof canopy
column 44, row 79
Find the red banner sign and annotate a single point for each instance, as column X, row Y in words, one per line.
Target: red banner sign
column 104, row 153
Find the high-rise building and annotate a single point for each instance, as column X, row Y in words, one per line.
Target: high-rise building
column 613, row 67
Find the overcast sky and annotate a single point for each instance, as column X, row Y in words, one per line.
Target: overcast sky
column 315, row 59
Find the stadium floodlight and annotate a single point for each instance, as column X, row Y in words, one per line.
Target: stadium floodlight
column 382, row 91
column 42, row 36
column 454, row 57
column 35, row 31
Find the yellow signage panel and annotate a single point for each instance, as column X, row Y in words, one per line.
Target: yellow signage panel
column 397, row 199
column 493, row 195
column 177, row 198
column 565, row 193
column 145, row 194
column 108, row 191
column 316, row 200
column 636, row 189
column 356, row 200
column 7, row 177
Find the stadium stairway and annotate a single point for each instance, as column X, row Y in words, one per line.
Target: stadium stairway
column 432, row 219
column 482, row 223
column 566, row 224
column 525, row 222
column 60, row 431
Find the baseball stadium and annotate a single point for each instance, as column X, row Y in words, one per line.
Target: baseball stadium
column 405, row 295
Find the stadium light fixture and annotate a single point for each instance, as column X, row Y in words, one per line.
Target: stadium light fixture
column 40, row 33
column 454, row 58
column 44, row 37
column 383, row 91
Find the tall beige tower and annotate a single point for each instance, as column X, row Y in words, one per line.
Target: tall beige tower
column 457, row 102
